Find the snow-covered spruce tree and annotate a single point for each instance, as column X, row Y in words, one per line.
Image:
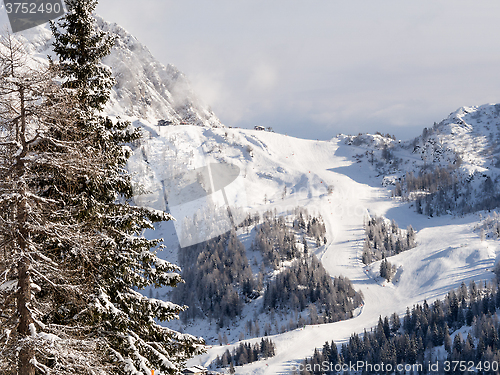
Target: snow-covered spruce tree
column 80, row 47
column 43, row 248
column 124, row 261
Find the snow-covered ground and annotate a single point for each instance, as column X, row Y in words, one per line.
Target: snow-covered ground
column 449, row 252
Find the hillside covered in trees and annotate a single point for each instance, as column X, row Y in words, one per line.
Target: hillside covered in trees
column 384, row 239
column 246, row 353
column 440, row 191
column 220, row 279
column 451, row 168
column 307, row 284
column 414, row 338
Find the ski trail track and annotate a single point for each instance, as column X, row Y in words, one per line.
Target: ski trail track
column 446, row 255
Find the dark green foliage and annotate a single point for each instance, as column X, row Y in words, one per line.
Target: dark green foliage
column 43, row 283
column 307, row 283
column 120, row 261
column 329, row 354
column 246, row 353
column 80, row 47
column 215, row 271
column 426, row 327
column 219, row 280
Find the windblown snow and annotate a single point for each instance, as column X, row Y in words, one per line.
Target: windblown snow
column 449, row 251
column 144, row 88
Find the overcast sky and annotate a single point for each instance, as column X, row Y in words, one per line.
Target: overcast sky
column 320, row 67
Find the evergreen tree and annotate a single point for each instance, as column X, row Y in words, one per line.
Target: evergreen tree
column 245, row 353
column 80, row 48
column 425, row 328
column 304, row 243
column 44, row 286
column 387, row 330
column 395, row 322
column 386, row 270
column 123, row 262
column 458, row 343
column 447, row 339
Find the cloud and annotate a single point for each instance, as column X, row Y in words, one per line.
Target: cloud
column 263, row 77
column 335, row 66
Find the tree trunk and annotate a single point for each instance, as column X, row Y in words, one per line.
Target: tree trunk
column 25, row 367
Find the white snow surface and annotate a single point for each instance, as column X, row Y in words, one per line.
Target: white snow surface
column 471, row 132
column 449, row 252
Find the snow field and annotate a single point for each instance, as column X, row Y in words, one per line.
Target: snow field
column 448, row 250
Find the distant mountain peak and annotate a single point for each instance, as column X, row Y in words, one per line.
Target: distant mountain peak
column 148, row 89
column 473, row 133
column 145, row 88
column 479, row 119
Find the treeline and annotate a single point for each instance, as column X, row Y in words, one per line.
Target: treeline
column 410, row 340
column 428, row 181
column 277, row 241
column 246, row 353
column 306, row 282
column 439, row 192
column 384, row 240
column 219, row 279
column 215, row 272
column 476, row 193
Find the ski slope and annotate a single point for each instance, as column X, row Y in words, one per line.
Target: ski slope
column 448, row 251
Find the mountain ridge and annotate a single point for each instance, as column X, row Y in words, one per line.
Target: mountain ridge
column 473, row 132
column 281, row 172
column 145, row 88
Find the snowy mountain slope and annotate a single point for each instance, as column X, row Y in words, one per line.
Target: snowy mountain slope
column 452, row 168
column 469, row 138
column 145, row 88
column 473, row 133
column 448, row 251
